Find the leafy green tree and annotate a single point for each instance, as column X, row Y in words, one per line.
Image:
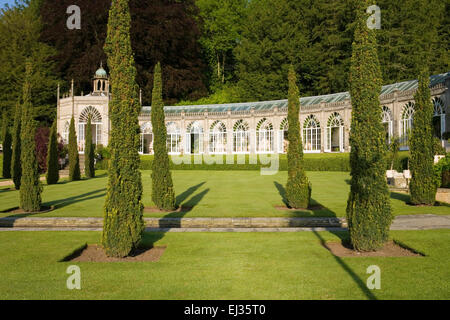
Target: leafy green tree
column 16, row 166
column 298, row 188
column 30, row 186
column 222, row 28
column 123, row 222
column 274, row 36
column 422, row 186
column 163, row 194
column 74, row 157
column 7, row 152
column 20, row 27
column 369, row 213
column 52, row 156
column 89, row 168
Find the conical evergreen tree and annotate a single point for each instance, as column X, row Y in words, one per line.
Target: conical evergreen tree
column 89, row 168
column 422, row 187
column 163, row 194
column 368, row 208
column 52, row 157
column 298, row 188
column 30, row 186
column 16, row 166
column 123, row 222
column 7, row 152
column 74, row 158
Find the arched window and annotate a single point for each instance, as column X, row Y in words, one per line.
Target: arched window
column 96, row 127
column 283, row 136
column 386, row 120
column 146, row 145
column 335, row 133
column 218, row 137
column 194, row 138
column 406, row 124
column 438, row 117
column 311, row 134
column 241, row 137
column 264, row 136
column 173, row 138
column 65, row 133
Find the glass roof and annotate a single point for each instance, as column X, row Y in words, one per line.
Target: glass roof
column 305, row 101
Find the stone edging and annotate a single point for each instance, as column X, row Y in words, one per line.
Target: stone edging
column 73, row 222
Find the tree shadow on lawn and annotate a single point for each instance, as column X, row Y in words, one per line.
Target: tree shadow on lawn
column 342, row 235
column 150, row 238
column 316, row 209
column 66, row 181
column 57, row 204
column 406, row 198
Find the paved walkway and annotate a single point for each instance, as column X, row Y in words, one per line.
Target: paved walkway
column 408, row 222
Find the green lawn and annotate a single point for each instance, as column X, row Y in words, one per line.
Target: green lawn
column 224, row 266
column 214, row 194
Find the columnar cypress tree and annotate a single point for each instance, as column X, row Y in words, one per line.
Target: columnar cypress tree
column 368, row 208
column 7, row 152
column 30, row 186
column 163, row 194
column 123, row 221
column 298, row 188
column 74, row 158
column 52, row 157
column 422, row 187
column 89, row 168
column 16, row 167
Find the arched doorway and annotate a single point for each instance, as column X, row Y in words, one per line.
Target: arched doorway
column 194, row 138
column 146, row 144
column 335, row 133
column 438, row 118
column 173, row 138
column 241, row 137
column 264, row 136
column 283, row 141
column 218, row 138
column 311, row 135
column 406, row 125
column 96, row 127
column 386, row 120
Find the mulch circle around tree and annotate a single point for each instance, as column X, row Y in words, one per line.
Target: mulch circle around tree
column 391, row 249
column 95, row 253
column 157, row 210
column 17, row 210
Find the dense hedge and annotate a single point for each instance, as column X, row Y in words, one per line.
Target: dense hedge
column 312, row 162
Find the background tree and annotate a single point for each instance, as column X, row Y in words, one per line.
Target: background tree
column 298, row 188
column 369, row 213
column 6, row 144
column 221, row 32
column 52, row 156
column 20, row 28
column 422, row 186
column 30, row 186
column 74, row 158
column 273, row 37
column 123, row 222
column 163, row 194
column 89, row 168
column 16, row 166
column 161, row 30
